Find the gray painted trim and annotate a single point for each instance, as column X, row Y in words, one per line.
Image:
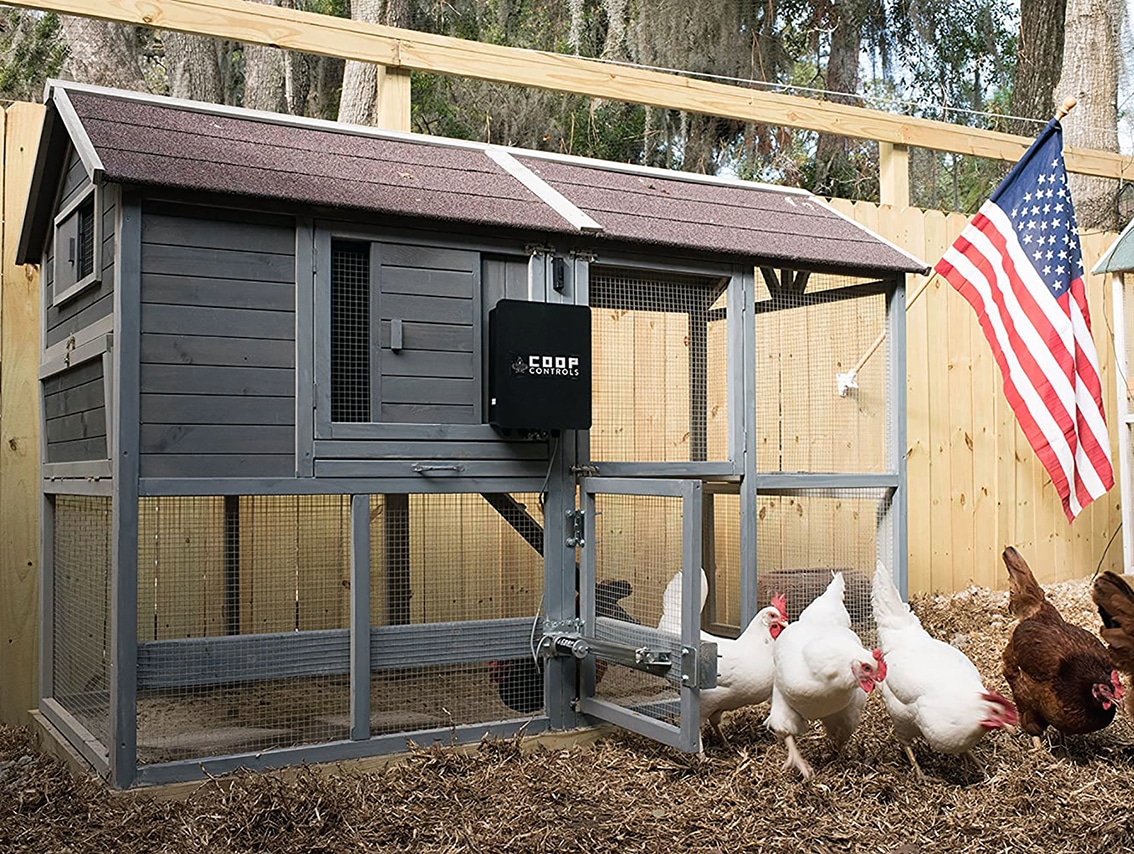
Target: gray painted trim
column 735, row 399
column 46, row 597
column 79, row 138
column 336, row 751
column 654, row 263
column 626, row 718
column 559, row 559
column 220, row 659
column 77, row 735
column 85, row 486
column 334, row 485
column 321, row 351
column 543, row 191
column 408, row 432
column 629, row 486
column 305, row 377
column 428, row 470
column 77, row 355
column 691, row 528
column 102, row 327
column 84, row 469
column 124, row 440
column 897, row 459
column 749, row 527
column 95, row 276
column 442, row 237
column 660, row 469
column 790, row 483
column 360, row 617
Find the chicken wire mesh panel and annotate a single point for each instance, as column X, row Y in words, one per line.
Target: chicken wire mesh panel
column 456, row 589
column 350, row 331
column 243, row 612
column 805, row 536
column 660, row 391
column 81, row 610
column 638, row 562
column 803, row 350
column 720, row 548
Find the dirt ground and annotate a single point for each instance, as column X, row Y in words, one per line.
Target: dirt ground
column 626, row 794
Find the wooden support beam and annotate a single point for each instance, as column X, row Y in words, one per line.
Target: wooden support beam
column 254, row 23
column 893, row 174
column 392, row 110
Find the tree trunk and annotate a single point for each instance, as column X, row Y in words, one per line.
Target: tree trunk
column 360, row 79
column 193, row 67
column 1039, row 60
column 102, row 53
column 1090, row 75
column 265, row 75
column 833, row 171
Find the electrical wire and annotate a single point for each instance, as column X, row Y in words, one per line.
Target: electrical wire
column 1108, row 545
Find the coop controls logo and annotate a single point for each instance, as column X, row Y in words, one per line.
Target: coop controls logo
column 540, row 365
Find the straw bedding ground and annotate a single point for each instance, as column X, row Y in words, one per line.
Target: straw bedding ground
column 626, row 794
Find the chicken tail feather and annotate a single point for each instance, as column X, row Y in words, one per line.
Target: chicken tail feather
column 1025, row 596
column 1115, row 601
column 889, row 609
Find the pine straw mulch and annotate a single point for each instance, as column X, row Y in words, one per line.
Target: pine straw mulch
column 626, row 794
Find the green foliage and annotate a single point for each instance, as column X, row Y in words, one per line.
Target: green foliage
column 31, row 50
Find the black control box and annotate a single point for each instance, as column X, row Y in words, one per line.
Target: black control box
column 539, row 366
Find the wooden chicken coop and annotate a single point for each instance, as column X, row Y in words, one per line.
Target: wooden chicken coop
column 295, row 509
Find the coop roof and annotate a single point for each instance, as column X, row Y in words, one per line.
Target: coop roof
column 148, row 140
column 1119, row 258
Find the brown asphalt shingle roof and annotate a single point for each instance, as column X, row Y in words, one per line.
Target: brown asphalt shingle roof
column 152, row 142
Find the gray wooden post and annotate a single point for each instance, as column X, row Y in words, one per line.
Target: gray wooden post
column 360, row 617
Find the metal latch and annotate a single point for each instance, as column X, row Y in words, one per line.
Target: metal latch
column 655, row 661
column 575, row 530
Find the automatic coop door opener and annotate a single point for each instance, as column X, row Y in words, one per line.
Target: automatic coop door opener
column 539, row 367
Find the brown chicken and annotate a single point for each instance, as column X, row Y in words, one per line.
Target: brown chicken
column 1116, row 607
column 1060, row 674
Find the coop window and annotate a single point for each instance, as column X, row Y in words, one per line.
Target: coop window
column 78, row 236
column 350, row 331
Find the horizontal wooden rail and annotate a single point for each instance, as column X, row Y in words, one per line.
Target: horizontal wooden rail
column 309, row 32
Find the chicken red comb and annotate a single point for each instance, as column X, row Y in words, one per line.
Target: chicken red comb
column 881, row 664
column 779, row 602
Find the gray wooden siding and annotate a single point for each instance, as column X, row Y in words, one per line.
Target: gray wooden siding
column 74, row 403
column 435, row 294
column 218, row 344
column 97, row 301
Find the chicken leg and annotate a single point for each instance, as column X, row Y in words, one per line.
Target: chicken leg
column 913, row 761
column 795, row 758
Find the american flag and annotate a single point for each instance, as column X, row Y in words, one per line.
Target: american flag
column 1019, row 265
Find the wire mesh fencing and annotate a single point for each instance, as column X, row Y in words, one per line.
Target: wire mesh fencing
column 456, row 589
column 80, row 603
column 243, row 606
column 638, row 564
column 808, row 345
column 660, row 366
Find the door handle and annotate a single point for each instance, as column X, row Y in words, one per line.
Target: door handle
column 396, row 335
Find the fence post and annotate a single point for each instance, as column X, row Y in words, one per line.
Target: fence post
column 392, row 108
column 19, row 427
column 893, row 174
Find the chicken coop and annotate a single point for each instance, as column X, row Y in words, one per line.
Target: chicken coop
column 1118, row 263
column 353, row 438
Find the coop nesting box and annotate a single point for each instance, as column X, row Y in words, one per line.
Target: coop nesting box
column 279, row 524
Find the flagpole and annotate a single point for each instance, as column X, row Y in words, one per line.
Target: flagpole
column 848, row 380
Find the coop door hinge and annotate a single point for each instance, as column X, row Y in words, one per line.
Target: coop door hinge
column 575, row 519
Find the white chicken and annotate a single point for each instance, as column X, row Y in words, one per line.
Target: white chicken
column 744, row 665
column 932, row 689
column 822, row 672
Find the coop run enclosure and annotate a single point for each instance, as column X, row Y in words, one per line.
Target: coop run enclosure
column 280, row 525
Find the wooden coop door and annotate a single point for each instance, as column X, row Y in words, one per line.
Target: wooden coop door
column 640, row 602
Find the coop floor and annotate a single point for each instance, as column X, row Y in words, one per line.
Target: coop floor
column 627, row 795
column 231, row 719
